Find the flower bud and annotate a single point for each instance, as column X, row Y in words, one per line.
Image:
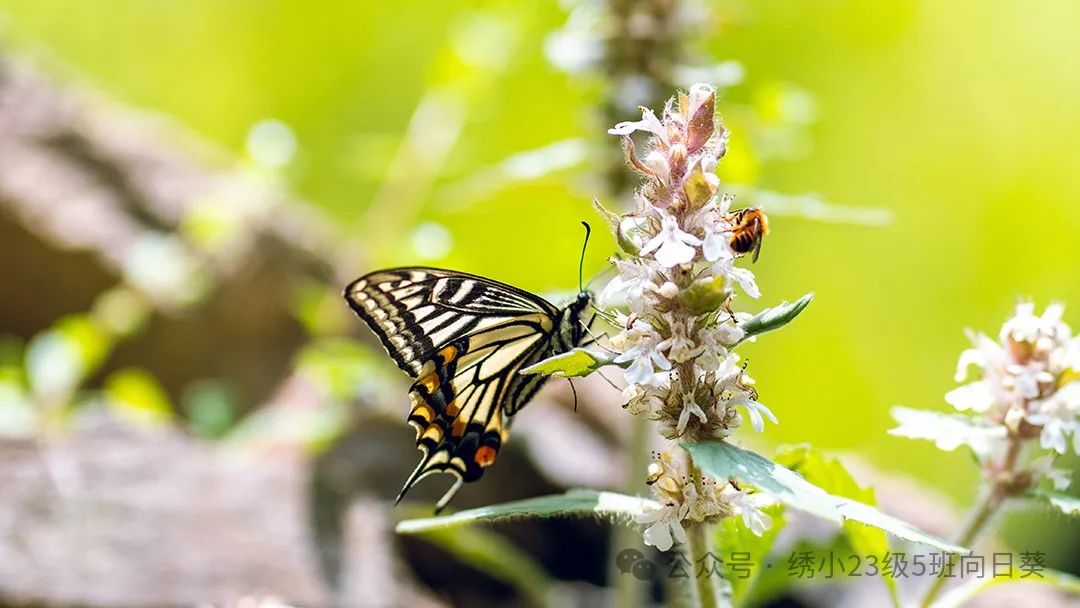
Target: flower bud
column 654, row 472
column 658, row 166
column 677, row 159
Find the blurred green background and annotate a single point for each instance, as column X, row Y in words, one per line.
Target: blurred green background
column 958, row 117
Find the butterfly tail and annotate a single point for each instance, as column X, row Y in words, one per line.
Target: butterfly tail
column 418, row 473
column 439, row 506
column 421, row 471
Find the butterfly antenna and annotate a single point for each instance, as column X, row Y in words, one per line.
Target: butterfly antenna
column 573, row 389
column 581, row 262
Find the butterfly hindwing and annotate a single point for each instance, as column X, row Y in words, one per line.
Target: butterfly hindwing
column 465, row 398
column 463, row 339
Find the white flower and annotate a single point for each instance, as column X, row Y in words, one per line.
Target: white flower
column 745, row 278
column 750, row 507
column 1054, row 432
column 709, row 219
column 633, row 279
column 641, row 369
column 640, row 347
column 679, row 346
column 689, row 406
column 716, row 246
column 984, row 354
column 734, row 386
column 1043, row 466
column 714, row 345
column 1067, row 357
column 976, row 396
column 657, row 161
column 648, row 123
column 666, row 525
column 672, row 245
column 729, row 335
column 1057, row 416
column 755, row 410
column 1061, row 479
column 1024, row 380
column 1023, row 326
column 729, row 372
column 1042, row 332
column 644, row 399
column 668, row 290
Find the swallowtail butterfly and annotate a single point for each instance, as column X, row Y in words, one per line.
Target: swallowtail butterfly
column 463, row 339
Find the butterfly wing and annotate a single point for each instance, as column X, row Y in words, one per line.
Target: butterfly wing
column 463, row 339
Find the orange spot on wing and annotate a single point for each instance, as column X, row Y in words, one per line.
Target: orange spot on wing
column 448, row 354
column 485, row 456
column 458, row 428
column 452, row 409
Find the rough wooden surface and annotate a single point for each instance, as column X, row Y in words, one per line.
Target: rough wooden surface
column 113, row 517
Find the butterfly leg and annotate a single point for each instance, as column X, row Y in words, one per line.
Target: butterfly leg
column 593, row 338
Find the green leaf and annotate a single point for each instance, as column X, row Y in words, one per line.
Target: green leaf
column 136, row 395
column 1067, row 504
column 732, row 536
column 573, row 502
column 495, row 556
column 576, row 362
column 723, row 461
column 775, row 317
column 830, row 475
column 961, row 595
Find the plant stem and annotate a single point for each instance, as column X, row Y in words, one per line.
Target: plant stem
column 629, row 590
column 700, row 547
column 994, row 496
column 975, row 525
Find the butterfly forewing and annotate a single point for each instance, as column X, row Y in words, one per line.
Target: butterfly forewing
column 463, row 338
column 415, row 311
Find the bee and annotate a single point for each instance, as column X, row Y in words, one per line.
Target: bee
column 749, row 227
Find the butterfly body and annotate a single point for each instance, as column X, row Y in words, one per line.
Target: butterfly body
column 463, row 339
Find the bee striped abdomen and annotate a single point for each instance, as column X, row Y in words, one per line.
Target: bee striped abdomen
column 742, row 243
column 748, row 229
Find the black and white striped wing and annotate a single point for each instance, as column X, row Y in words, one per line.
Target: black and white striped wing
column 463, row 339
column 415, row 311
